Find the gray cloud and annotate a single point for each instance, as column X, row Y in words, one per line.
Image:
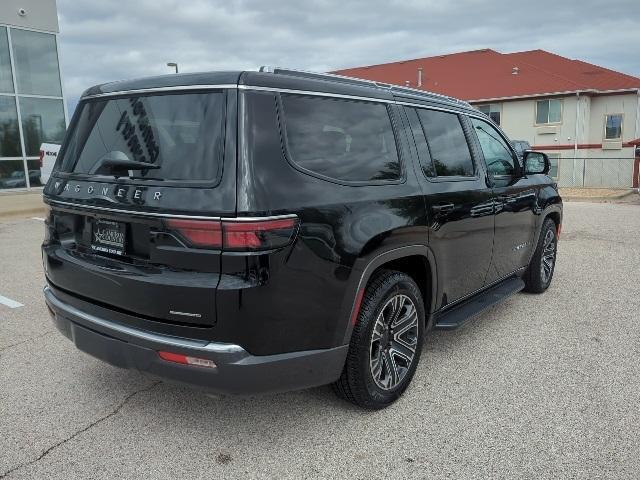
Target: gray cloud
column 112, row 39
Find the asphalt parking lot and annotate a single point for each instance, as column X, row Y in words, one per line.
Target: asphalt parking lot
column 539, row 387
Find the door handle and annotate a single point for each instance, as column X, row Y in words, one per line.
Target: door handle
column 442, row 208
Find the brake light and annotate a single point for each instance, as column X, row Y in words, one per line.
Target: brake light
column 237, row 234
column 199, row 233
column 258, row 235
column 187, row 360
column 41, row 158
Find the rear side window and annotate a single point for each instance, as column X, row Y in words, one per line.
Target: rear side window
column 181, row 134
column 341, row 139
column 447, row 143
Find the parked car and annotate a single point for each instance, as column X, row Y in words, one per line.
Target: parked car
column 17, row 179
column 267, row 231
column 48, row 156
column 520, row 146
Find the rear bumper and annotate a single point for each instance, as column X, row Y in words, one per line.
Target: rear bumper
column 236, row 371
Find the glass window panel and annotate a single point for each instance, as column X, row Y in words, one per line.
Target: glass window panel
column 42, row 121
column 6, row 82
column 36, row 61
column 34, row 173
column 613, row 127
column 447, row 143
column 421, row 143
column 181, row 134
column 341, row 139
column 12, row 174
column 497, row 155
column 9, row 133
column 542, row 111
column 555, row 110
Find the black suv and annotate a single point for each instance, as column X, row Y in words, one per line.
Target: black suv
column 267, row 231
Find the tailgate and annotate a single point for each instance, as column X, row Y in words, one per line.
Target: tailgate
column 148, row 271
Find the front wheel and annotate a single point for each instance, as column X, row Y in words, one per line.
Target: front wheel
column 385, row 344
column 540, row 271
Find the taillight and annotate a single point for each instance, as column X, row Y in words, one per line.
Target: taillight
column 259, row 234
column 237, row 234
column 41, row 157
column 198, row 233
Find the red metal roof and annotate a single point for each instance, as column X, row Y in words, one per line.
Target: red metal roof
column 487, row 74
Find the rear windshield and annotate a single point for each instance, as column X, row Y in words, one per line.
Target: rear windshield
column 181, row 135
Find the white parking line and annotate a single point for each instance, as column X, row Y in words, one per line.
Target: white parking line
column 10, row 303
column 40, row 219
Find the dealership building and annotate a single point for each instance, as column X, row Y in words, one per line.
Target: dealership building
column 32, row 103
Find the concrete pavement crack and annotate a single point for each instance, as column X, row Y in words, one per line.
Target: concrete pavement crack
column 27, row 340
column 81, row 431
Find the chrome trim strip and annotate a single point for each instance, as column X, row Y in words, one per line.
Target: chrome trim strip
column 444, row 109
column 210, row 347
column 168, row 215
column 129, row 212
column 288, row 90
column 259, row 219
column 314, row 93
column 162, row 89
column 464, row 110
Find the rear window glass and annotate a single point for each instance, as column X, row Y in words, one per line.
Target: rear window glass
column 447, row 143
column 341, row 139
column 179, row 134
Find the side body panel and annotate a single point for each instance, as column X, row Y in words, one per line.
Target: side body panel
column 295, row 299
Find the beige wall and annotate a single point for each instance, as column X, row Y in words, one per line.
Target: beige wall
column 600, row 167
column 39, row 14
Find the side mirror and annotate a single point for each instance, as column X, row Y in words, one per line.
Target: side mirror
column 536, row 162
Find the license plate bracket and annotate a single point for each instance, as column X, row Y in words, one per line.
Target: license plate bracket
column 108, row 237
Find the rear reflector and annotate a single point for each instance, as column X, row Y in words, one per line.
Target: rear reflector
column 559, row 231
column 236, row 234
column 186, row 360
column 356, row 307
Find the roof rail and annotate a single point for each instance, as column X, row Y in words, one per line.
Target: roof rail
column 359, row 81
column 319, row 75
column 431, row 94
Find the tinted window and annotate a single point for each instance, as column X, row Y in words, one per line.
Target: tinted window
column 42, row 121
column 9, row 136
column 36, row 61
column 447, row 143
column 6, row 81
column 497, row 154
column 182, row 134
column 342, row 139
column 421, row 143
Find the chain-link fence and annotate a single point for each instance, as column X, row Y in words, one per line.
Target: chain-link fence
column 601, row 172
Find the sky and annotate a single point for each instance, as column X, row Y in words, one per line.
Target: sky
column 106, row 40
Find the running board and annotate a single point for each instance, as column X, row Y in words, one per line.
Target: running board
column 459, row 314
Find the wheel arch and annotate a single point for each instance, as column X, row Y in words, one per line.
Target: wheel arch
column 417, row 261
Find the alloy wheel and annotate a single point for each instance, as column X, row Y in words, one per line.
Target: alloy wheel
column 393, row 341
column 548, row 256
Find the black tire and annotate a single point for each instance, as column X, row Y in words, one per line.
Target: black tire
column 391, row 299
column 540, row 271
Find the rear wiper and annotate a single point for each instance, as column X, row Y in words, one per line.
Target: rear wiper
column 116, row 161
column 121, row 164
